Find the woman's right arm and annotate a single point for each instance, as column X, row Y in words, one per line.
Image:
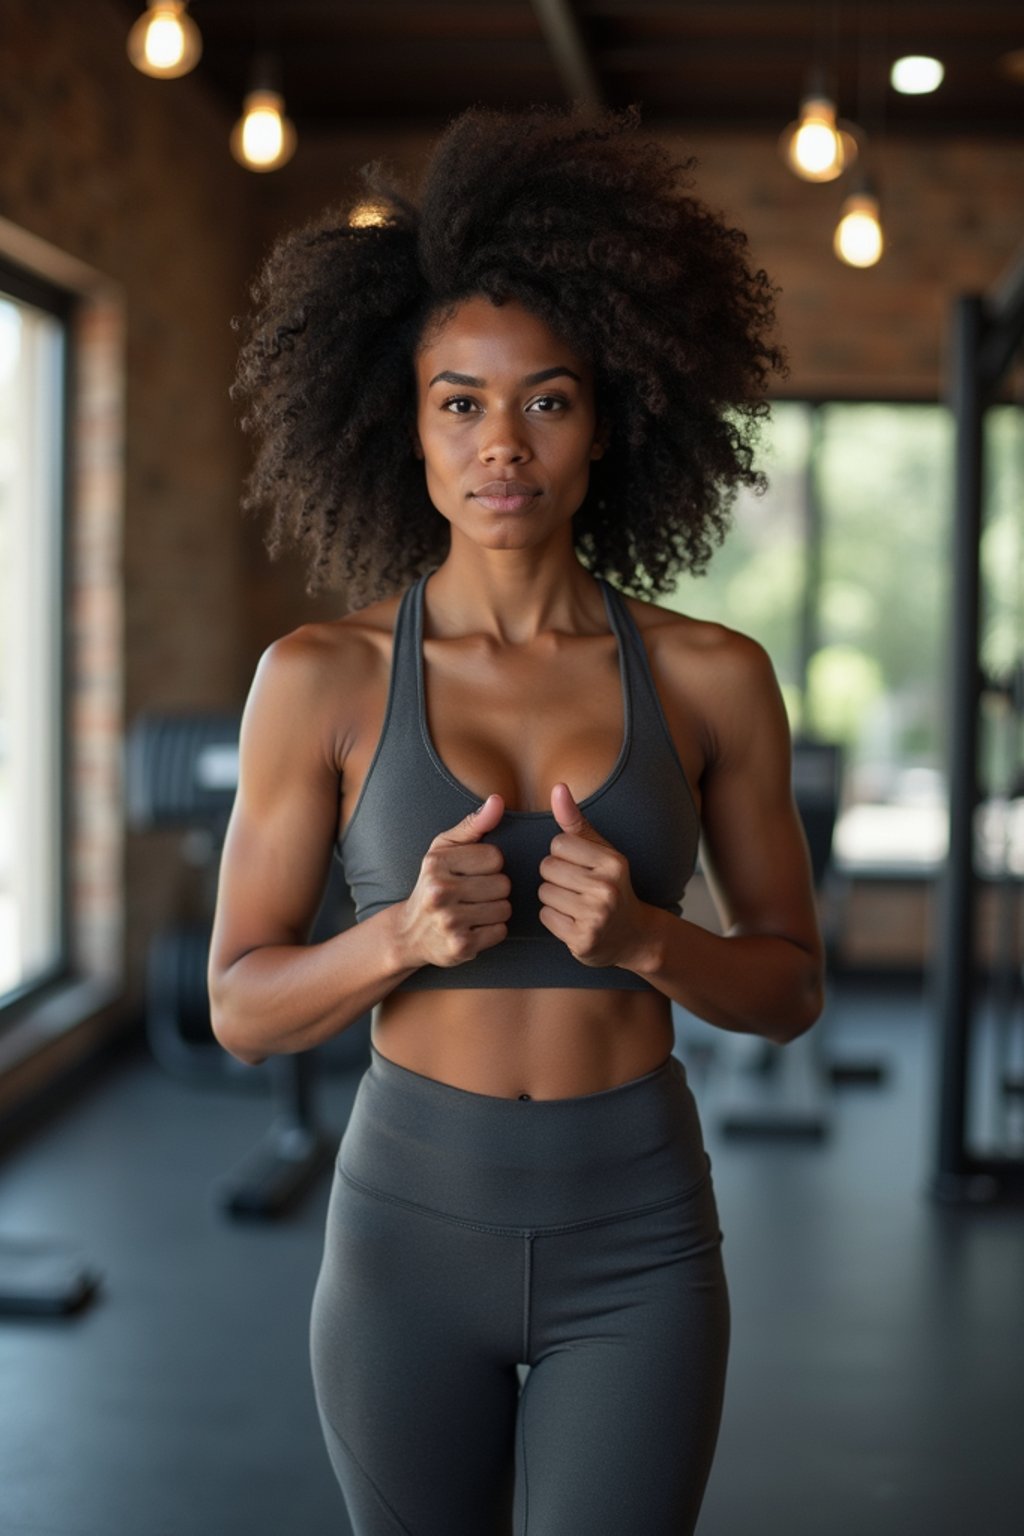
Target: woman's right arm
column 270, row 990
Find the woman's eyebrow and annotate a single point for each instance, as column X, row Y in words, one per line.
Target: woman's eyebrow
column 531, row 378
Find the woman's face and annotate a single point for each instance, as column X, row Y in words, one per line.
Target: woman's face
column 484, row 414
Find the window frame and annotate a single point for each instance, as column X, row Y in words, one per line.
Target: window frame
column 21, row 285
column 815, row 527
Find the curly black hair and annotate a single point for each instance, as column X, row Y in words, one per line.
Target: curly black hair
column 586, row 223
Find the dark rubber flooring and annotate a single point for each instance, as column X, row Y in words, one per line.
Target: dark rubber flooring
column 876, row 1378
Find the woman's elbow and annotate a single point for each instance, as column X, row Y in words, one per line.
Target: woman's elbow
column 227, row 1037
column 240, row 1052
column 812, row 1006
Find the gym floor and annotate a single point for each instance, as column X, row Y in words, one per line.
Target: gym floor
column 877, row 1367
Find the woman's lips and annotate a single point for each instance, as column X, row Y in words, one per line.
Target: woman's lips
column 506, row 503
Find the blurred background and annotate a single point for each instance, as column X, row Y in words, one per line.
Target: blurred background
column 161, row 1206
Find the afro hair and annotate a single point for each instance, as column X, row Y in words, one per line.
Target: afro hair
column 590, row 224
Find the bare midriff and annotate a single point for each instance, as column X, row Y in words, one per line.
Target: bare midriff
column 542, row 1042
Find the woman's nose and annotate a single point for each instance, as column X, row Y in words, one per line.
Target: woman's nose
column 503, row 437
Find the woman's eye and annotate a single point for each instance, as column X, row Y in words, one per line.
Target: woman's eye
column 466, row 400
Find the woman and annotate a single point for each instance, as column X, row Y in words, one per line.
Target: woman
column 543, row 377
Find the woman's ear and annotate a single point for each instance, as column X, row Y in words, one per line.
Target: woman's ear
column 414, row 439
column 600, row 443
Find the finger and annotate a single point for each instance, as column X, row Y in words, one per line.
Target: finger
column 488, row 912
column 557, row 923
column 473, row 826
column 485, row 888
column 561, row 872
column 580, row 851
column 482, row 859
column 569, row 903
column 569, row 816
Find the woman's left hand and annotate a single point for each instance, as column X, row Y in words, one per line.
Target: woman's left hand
column 587, row 898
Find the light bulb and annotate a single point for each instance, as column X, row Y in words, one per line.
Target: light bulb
column 813, row 146
column 263, row 138
column 916, row 74
column 858, row 237
column 164, row 41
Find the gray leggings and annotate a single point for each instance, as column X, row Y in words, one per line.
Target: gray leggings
column 468, row 1235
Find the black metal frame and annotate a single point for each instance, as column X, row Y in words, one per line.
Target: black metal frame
column 986, row 332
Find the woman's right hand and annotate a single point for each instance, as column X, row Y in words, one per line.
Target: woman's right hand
column 459, row 904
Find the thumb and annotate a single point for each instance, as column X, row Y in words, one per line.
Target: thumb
column 472, row 827
column 569, row 816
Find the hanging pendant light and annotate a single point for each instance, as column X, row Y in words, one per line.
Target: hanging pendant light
column 817, row 146
column 916, row 74
column 164, row 41
column 263, row 137
column 858, row 238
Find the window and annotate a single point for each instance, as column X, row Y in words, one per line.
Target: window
column 841, row 570
column 1000, row 832
column 33, row 391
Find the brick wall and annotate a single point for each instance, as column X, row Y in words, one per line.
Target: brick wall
column 951, row 215
column 126, row 185
column 121, row 188
column 953, row 222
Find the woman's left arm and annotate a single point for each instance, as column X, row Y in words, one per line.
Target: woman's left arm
column 764, row 974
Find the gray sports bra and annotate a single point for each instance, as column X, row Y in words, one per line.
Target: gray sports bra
column 644, row 808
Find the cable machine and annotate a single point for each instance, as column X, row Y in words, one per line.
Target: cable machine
column 986, row 334
column 181, row 772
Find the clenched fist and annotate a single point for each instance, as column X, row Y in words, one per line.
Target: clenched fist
column 587, row 897
column 459, row 904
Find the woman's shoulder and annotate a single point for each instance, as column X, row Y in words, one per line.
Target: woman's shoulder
column 679, row 631
column 709, row 675
column 338, row 666
column 352, row 640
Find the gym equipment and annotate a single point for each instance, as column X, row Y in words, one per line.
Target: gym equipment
column 1006, row 694
column 986, row 333
column 43, row 1278
column 182, row 771
column 776, row 1090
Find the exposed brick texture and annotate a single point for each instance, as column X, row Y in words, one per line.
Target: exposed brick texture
column 126, row 187
column 131, row 179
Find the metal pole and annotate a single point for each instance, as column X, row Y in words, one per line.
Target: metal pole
column 957, row 906
column 809, row 637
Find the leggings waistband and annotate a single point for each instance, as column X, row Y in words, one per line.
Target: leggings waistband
column 510, row 1163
